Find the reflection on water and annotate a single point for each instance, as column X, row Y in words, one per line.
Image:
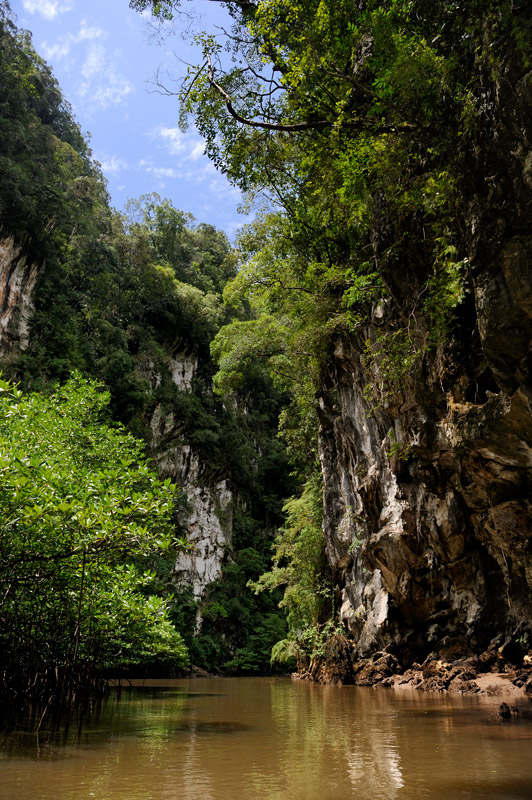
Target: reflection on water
column 271, row 739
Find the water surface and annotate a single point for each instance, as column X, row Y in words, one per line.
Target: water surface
column 276, row 739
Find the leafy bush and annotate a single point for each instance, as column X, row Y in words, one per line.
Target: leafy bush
column 78, row 502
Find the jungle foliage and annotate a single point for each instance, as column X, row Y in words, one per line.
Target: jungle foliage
column 351, row 127
column 118, row 295
column 348, row 125
column 78, row 505
column 351, row 124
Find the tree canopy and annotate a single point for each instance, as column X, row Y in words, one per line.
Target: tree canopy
column 351, row 126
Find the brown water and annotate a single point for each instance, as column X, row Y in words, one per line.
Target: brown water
column 276, row 739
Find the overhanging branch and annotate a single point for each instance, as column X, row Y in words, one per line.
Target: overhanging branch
column 298, row 126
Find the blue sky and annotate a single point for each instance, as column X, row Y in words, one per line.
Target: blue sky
column 104, row 56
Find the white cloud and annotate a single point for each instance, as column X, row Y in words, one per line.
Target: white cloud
column 113, row 165
column 55, row 52
column 157, row 172
column 110, row 92
column 174, row 138
column 49, row 9
column 165, row 172
column 177, row 143
column 90, row 33
column 63, row 46
column 94, row 62
column 197, row 151
column 102, row 83
column 233, row 227
column 221, row 188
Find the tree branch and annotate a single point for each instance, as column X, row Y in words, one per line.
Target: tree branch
column 296, row 126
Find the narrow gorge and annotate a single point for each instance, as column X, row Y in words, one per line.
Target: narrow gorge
column 377, row 310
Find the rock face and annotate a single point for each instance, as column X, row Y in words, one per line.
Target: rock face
column 428, row 513
column 208, row 513
column 209, row 524
column 17, row 282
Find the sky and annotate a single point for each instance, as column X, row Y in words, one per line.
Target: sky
column 105, row 57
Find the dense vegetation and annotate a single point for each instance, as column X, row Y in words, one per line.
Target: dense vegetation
column 89, row 534
column 351, row 127
column 78, row 505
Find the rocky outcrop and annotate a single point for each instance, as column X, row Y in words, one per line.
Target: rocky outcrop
column 18, row 277
column 208, row 509
column 428, row 517
column 430, row 540
column 207, row 519
column 209, row 525
column 182, row 368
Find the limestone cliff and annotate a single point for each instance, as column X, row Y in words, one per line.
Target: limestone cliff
column 207, row 515
column 18, row 277
column 428, row 518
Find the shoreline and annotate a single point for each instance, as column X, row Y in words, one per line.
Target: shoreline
column 487, row 684
column 488, row 674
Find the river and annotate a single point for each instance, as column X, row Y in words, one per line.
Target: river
column 276, row 739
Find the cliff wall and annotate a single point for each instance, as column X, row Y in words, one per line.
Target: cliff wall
column 208, row 508
column 18, row 277
column 428, row 517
